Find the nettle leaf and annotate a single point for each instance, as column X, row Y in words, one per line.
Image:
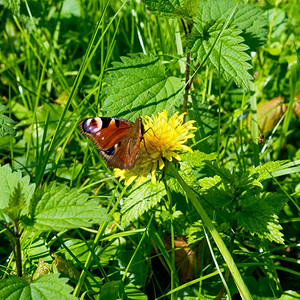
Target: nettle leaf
column 264, row 171
column 5, row 122
column 223, row 172
column 141, row 199
column 257, row 211
column 16, row 204
column 188, row 175
column 186, row 9
column 44, row 287
column 191, row 161
column 251, row 20
column 215, row 191
column 228, row 55
column 274, row 234
column 13, row 184
column 198, row 158
column 195, row 232
column 139, row 84
column 61, row 208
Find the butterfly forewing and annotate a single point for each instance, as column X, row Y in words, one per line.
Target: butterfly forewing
column 117, row 140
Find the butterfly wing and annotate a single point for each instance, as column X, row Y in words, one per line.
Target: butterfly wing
column 117, row 140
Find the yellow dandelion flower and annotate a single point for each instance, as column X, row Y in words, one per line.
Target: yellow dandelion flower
column 163, row 140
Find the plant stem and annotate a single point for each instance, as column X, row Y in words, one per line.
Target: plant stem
column 17, row 251
column 213, row 231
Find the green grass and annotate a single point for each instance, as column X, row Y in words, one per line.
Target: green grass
column 222, row 222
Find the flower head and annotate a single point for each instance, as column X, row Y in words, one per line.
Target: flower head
column 163, row 140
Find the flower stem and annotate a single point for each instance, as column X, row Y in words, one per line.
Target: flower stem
column 213, row 231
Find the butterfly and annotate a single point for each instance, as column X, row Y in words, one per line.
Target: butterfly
column 118, row 140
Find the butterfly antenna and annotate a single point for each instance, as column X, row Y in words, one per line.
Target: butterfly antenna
column 126, row 105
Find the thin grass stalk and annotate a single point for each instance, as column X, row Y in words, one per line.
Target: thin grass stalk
column 136, row 250
column 97, row 239
column 173, row 283
column 213, row 231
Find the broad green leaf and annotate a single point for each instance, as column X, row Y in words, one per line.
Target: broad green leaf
column 198, row 158
column 141, row 199
column 16, row 204
column 247, row 17
column 289, row 295
column 36, row 248
column 216, row 193
column 187, row 172
column 228, row 56
column 5, row 128
column 277, row 17
column 61, row 208
column 186, row 9
column 274, row 234
column 257, row 214
column 111, row 290
column 9, row 181
column 133, row 293
column 70, row 8
column 195, row 232
column 44, row 287
column 139, row 85
column 79, row 248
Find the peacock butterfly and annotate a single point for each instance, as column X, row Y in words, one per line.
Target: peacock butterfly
column 118, row 140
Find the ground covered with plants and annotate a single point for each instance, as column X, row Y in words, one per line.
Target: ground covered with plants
column 210, row 209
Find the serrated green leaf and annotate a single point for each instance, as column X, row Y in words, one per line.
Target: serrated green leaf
column 8, row 183
column 45, row 287
column 197, row 158
column 175, row 8
column 16, row 203
column 111, row 290
column 61, row 208
column 250, row 19
column 141, row 199
column 139, row 84
column 133, row 293
column 223, row 172
column 257, row 211
column 277, row 17
column 289, row 295
column 187, row 173
column 2, row 107
column 215, row 192
column 195, row 232
column 228, row 55
column 209, row 182
column 274, row 234
column 5, row 128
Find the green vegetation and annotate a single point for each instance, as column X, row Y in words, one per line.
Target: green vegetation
column 218, row 222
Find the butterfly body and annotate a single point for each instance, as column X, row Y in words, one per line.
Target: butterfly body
column 118, row 140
